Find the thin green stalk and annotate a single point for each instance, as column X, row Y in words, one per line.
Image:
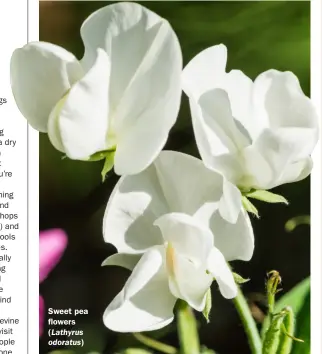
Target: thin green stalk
column 154, row 344
column 187, row 329
column 249, row 323
column 297, row 221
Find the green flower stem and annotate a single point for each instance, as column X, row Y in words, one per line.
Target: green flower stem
column 187, row 329
column 249, row 323
column 154, row 344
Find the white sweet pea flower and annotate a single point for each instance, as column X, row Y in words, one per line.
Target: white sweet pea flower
column 167, row 228
column 258, row 134
column 124, row 93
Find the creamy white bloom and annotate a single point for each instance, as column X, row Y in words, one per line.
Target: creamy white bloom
column 166, row 225
column 124, row 93
column 257, row 134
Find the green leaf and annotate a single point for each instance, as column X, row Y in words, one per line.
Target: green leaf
column 294, row 298
column 239, row 279
column 266, row 196
column 303, row 328
column 108, row 165
column 248, row 206
column 207, row 309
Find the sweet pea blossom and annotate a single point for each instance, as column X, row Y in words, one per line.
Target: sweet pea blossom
column 123, row 96
column 52, row 244
column 258, row 134
column 167, row 228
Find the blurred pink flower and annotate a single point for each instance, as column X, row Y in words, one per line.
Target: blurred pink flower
column 52, row 244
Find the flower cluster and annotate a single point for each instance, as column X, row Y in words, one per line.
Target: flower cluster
column 167, row 228
column 175, row 220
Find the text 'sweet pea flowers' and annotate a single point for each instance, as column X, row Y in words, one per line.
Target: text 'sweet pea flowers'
column 258, row 134
column 168, row 231
column 118, row 102
column 52, row 244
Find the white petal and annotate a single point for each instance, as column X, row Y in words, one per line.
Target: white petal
column 135, row 203
column 235, row 241
column 176, row 182
column 272, row 156
column 207, row 72
column 235, row 83
column 152, row 263
column 189, row 281
column 219, row 268
column 217, row 114
column 145, row 90
column 41, row 74
column 218, row 152
column 150, row 105
column 230, row 203
column 203, row 134
column 300, row 141
column 296, row 171
column 128, row 261
column 259, row 173
column 83, row 116
column 186, row 183
column 155, row 84
column 145, row 303
column 125, row 31
column 139, row 148
column 54, row 134
column 203, row 72
column 280, row 101
column 189, row 243
column 187, row 235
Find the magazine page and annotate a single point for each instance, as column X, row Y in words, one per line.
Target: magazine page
column 160, row 169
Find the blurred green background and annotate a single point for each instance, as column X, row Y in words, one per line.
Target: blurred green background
column 259, row 36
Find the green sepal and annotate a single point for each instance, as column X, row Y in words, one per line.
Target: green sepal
column 101, row 155
column 249, row 206
column 207, row 309
column 239, row 279
column 108, row 165
column 266, row 196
